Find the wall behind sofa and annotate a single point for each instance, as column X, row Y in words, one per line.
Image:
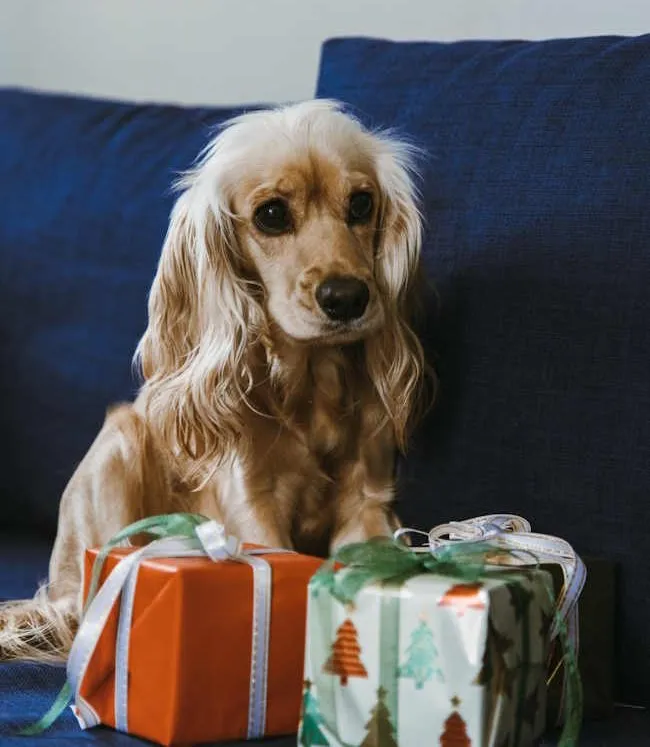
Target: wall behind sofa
column 239, row 51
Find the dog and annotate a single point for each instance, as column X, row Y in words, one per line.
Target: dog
column 280, row 369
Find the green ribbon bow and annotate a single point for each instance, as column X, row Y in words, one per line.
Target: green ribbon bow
column 381, row 559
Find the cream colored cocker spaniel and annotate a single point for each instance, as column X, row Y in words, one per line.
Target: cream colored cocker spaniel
column 280, row 371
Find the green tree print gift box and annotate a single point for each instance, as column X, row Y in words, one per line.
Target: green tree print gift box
column 429, row 661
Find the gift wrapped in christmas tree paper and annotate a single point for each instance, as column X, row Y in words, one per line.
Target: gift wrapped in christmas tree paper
column 406, row 649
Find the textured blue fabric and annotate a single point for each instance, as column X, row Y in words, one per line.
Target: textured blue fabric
column 536, row 190
column 27, row 690
column 23, row 565
column 84, row 201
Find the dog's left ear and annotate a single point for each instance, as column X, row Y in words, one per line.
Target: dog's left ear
column 395, row 358
column 399, row 237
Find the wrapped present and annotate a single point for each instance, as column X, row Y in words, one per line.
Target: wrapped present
column 191, row 638
column 407, row 648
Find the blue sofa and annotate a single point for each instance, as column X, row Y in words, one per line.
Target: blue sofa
column 535, row 186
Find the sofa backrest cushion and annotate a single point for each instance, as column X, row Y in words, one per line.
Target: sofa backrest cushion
column 85, row 193
column 536, row 191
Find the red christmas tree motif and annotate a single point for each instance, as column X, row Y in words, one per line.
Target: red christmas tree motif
column 455, row 733
column 344, row 660
column 463, row 597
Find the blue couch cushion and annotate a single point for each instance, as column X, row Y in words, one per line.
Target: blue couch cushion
column 536, row 190
column 28, row 690
column 23, row 565
column 84, row 200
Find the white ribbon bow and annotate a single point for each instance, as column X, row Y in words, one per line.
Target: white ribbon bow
column 513, row 532
column 212, row 541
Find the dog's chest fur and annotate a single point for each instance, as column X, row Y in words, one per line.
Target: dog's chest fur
column 320, row 439
column 329, row 406
column 329, row 418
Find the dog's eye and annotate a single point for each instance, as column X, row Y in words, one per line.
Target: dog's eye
column 360, row 208
column 273, row 217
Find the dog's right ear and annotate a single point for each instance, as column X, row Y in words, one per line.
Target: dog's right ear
column 203, row 323
column 172, row 332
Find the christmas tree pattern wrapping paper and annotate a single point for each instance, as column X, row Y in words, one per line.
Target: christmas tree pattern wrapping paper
column 433, row 660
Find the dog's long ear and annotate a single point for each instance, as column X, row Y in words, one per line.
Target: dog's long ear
column 173, row 331
column 194, row 354
column 395, row 358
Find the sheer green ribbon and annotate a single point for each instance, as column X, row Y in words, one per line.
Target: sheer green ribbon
column 169, row 525
column 357, row 565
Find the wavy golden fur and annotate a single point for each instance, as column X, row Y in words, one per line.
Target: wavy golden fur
column 280, row 368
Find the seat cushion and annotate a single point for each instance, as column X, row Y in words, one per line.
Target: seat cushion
column 28, row 690
column 535, row 186
column 85, row 193
column 26, row 693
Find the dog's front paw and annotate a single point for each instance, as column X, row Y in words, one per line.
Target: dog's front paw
column 376, row 522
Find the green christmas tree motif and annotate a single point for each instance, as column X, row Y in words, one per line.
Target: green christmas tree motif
column 310, row 734
column 545, row 625
column 421, row 656
column 494, row 671
column 520, row 599
column 379, row 730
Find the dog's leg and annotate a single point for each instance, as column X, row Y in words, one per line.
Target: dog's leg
column 117, row 483
column 261, row 528
column 255, row 512
column 366, row 490
column 361, row 517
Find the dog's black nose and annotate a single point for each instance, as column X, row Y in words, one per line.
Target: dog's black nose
column 343, row 298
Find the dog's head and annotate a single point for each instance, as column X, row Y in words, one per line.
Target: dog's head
column 296, row 222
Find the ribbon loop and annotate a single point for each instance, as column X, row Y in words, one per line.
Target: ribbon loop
column 513, row 532
column 217, row 544
column 479, row 528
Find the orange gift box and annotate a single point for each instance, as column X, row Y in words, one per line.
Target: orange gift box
column 190, row 648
